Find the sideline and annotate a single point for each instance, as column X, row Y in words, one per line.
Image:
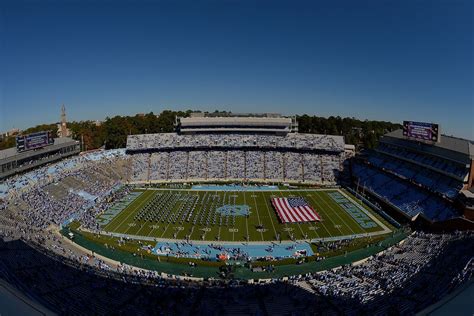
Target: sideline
column 115, row 264
column 265, row 243
column 363, row 209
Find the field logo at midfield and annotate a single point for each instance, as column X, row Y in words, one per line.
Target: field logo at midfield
column 236, row 210
column 357, row 214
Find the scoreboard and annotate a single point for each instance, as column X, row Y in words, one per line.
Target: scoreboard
column 34, row 141
column 421, row 131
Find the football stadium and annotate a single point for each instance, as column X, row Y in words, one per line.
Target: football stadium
column 284, row 221
column 223, row 157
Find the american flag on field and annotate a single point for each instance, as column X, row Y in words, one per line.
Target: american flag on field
column 294, row 210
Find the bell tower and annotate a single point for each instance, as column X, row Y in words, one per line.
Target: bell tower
column 63, row 131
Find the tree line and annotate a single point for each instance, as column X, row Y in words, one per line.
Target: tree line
column 112, row 133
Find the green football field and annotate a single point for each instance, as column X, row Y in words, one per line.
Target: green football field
column 217, row 215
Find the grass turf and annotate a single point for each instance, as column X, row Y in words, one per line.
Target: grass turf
column 335, row 220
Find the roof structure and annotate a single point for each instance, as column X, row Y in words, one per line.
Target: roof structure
column 447, row 142
column 232, row 124
column 449, row 147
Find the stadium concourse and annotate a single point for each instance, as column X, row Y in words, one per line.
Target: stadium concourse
column 56, row 269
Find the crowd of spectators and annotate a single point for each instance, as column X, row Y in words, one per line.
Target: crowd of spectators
column 66, row 190
column 238, row 164
column 402, row 280
column 294, row 157
column 289, row 141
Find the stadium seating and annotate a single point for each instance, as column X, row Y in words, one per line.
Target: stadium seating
column 295, row 157
column 397, row 279
column 177, row 165
column 235, row 161
column 197, row 165
column 292, row 141
column 457, row 170
column 430, row 179
column 63, row 191
column 141, row 166
column 394, row 282
column 235, row 164
column 216, row 164
column 406, row 196
column 73, row 282
column 255, row 165
column 313, row 166
column 274, row 165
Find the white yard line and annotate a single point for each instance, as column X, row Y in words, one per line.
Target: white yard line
column 311, row 223
column 337, row 214
column 134, row 209
column 246, row 217
column 219, row 233
column 324, row 220
column 258, row 216
column 127, row 204
column 158, row 226
column 152, row 238
column 269, row 214
column 172, row 210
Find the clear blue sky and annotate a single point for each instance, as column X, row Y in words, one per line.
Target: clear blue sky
column 387, row 60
